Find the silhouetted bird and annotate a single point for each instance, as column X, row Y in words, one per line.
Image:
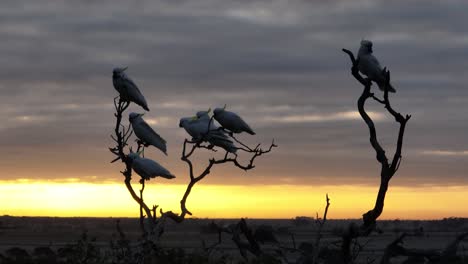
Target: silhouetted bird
column 204, row 117
column 127, row 88
column 148, row 168
column 145, row 133
column 197, row 128
column 370, row 66
column 231, row 121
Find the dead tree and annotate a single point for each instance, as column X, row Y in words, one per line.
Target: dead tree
column 189, row 148
column 121, row 137
column 388, row 168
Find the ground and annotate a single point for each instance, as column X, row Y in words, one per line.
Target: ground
column 31, row 232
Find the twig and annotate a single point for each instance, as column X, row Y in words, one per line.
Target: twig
column 256, row 152
column 121, row 137
column 319, row 231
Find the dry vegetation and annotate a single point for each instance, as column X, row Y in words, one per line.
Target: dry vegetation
column 64, row 240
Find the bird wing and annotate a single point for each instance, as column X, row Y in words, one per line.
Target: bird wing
column 155, row 169
column 373, row 60
column 134, row 94
column 199, row 127
column 224, row 143
column 238, row 122
column 202, row 127
column 139, row 167
column 193, row 129
column 370, row 66
column 153, row 138
column 148, row 168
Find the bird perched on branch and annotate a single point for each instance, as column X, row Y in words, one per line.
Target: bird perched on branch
column 127, row 88
column 204, row 116
column 231, row 121
column 370, row 66
column 197, row 128
column 145, row 133
column 148, row 168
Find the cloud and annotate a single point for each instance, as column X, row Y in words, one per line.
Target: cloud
column 311, row 118
column 161, row 121
column 273, row 63
column 460, row 153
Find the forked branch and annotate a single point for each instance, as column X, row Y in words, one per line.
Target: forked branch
column 387, row 169
column 189, row 148
column 121, row 136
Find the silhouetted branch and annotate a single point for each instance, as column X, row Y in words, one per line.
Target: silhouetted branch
column 142, row 216
column 256, row 152
column 387, row 170
column 121, row 137
column 319, row 231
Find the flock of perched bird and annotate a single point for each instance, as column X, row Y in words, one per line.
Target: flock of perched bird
column 201, row 127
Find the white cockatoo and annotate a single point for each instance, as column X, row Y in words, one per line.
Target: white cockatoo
column 127, row 88
column 231, row 121
column 197, row 128
column 204, row 116
column 145, row 133
column 148, row 168
column 370, row 66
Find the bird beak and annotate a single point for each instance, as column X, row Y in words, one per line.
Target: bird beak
column 142, row 114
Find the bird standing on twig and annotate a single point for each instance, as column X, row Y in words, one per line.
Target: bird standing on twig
column 148, row 168
column 231, row 121
column 370, row 66
column 145, row 133
column 127, row 88
column 198, row 129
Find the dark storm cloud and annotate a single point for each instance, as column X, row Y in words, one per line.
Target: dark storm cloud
column 277, row 63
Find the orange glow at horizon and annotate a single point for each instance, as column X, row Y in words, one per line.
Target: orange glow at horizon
column 23, row 198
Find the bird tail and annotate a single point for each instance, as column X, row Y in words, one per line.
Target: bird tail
column 390, row 87
column 225, row 144
column 159, row 143
column 168, row 176
column 250, row 131
column 218, row 135
column 145, row 107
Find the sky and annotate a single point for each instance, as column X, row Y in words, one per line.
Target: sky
column 276, row 63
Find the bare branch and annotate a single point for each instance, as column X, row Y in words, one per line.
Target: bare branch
column 319, row 231
column 256, row 152
column 121, row 136
column 114, row 160
column 387, row 170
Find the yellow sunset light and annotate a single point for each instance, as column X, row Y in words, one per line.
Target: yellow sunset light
column 223, row 201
